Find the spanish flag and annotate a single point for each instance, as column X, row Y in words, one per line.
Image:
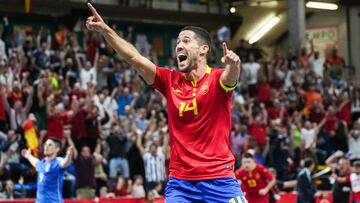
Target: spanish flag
column 31, row 136
column 28, row 5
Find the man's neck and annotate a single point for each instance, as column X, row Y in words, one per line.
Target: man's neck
column 197, row 72
column 49, row 158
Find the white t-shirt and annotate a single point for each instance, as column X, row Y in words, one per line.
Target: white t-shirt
column 317, row 65
column 2, row 50
column 355, row 182
column 354, row 147
column 251, row 70
column 87, row 76
column 308, row 136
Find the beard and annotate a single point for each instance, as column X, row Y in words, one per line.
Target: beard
column 186, row 66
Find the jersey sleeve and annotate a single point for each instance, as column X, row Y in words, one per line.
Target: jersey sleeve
column 228, row 90
column 161, row 82
column 266, row 173
column 58, row 164
column 38, row 165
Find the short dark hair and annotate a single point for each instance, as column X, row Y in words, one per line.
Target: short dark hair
column 56, row 141
column 201, row 33
column 357, row 163
column 248, row 155
column 308, row 162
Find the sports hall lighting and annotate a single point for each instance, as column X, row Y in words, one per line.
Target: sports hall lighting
column 264, row 29
column 322, row 5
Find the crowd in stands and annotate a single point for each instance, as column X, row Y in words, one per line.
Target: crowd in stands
column 294, row 106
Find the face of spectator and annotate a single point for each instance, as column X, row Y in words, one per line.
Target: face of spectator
column 316, row 55
column 355, row 134
column 334, row 52
column 16, row 86
column 50, row 148
column 18, row 105
column 150, row 197
column 95, row 111
column 101, row 97
column 247, row 163
column 344, row 165
column 43, row 46
column 11, row 135
column 126, row 91
column 9, row 185
column 251, row 57
column 188, row 50
column 153, row 149
column 357, row 169
column 69, row 62
column 138, row 181
column 116, row 129
column 85, row 152
column 120, row 181
column 308, row 125
column 312, row 167
column 88, row 65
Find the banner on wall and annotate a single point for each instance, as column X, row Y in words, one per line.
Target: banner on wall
column 324, row 38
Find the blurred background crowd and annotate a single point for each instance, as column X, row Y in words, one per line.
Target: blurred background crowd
column 71, row 85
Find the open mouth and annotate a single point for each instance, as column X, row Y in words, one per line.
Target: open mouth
column 182, row 57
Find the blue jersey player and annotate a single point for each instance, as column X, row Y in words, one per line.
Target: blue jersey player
column 50, row 171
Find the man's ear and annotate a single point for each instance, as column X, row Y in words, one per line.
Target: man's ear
column 204, row 49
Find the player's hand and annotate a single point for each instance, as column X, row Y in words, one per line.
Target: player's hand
column 263, row 192
column 70, row 152
column 95, row 22
column 230, row 58
column 26, row 153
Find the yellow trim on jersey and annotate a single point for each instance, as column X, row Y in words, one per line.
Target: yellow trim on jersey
column 226, row 88
column 207, row 70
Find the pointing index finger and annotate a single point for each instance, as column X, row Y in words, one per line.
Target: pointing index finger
column 93, row 10
column 225, row 49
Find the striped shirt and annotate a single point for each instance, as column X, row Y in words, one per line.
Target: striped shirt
column 154, row 167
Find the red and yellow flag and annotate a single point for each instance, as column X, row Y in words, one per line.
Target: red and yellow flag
column 31, row 136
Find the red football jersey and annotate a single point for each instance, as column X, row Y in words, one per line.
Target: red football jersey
column 252, row 182
column 199, row 124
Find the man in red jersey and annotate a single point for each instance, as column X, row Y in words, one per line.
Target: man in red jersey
column 256, row 180
column 199, row 111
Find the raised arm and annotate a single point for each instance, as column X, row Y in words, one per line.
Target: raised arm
column 143, row 66
column 67, row 135
column 27, row 154
column 68, row 158
column 330, row 161
column 231, row 74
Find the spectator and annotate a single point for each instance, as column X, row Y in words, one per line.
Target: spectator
column 122, row 188
column 306, row 189
column 251, row 69
column 117, row 143
column 340, row 168
column 317, row 65
column 10, row 157
column 85, row 169
column 124, row 99
column 18, row 114
column 154, row 162
column 137, row 187
column 10, row 193
column 354, row 141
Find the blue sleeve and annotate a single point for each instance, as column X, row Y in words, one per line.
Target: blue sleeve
column 58, row 166
column 38, row 165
